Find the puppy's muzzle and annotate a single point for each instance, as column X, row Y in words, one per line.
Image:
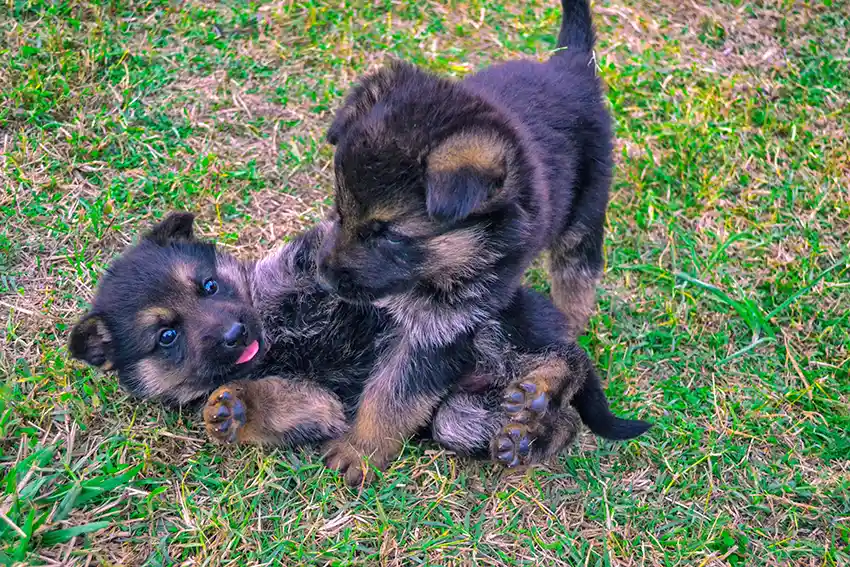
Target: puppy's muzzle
column 236, row 335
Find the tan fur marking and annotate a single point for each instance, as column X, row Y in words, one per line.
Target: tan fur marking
column 415, row 227
column 477, row 150
column 156, row 380
column 571, row 238
column 386, row 212
column 294, row 404
column 373, row 429
column 573, row 281
column 549, row 376
column 380, row 427
column 454, row 251
column 99, row 328
column 564, row 430
column 574, row 293
column 98, row 338
column 154, row 316
column 382, row 422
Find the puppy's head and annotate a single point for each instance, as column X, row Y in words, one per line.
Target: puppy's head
column 172, row 316
column 423, row 171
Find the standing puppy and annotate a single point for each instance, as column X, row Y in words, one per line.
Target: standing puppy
column 445, row 193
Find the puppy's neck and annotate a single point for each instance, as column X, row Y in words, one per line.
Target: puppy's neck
column 426, row 321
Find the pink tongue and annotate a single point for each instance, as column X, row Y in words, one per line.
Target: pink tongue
column 249, row 353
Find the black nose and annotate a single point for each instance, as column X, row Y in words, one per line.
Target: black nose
column 235, row 336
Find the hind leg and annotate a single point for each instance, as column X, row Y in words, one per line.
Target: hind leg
column 575, row 266
column 575, row 256
column 466, row 423
column 474, row 425
column 525, row 444
column 519, row 424
column 537, row 427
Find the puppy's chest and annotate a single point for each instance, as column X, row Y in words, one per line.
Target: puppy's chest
column 324, row 338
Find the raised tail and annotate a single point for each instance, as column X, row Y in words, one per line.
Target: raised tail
column 592, row 406
column 576, row 26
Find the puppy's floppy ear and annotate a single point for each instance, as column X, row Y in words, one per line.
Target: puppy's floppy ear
column 363, row 97
column 462, row 173
column 175, row 227
column 91, row 341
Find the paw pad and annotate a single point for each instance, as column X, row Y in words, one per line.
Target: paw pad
column 224, row 415
column 512, row 445
column 525, row 403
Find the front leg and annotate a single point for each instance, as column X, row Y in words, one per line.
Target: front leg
column 399, row 398
column 273, row 411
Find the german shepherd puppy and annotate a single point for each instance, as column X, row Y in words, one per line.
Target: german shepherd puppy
column 286, row 361
column 445, row 193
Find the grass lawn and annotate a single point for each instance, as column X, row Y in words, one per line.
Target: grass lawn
column 724, row 313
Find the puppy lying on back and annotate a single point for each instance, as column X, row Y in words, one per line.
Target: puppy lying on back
column 286, row 362
column 445, row 193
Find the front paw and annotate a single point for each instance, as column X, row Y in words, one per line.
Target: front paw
column 356, row 465
column 224, row 414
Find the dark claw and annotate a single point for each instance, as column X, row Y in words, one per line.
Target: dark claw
column 539, row 404
column 525, row 404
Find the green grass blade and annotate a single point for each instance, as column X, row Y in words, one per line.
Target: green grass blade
column 787, row 303
column 747, row 310
column 56, row 537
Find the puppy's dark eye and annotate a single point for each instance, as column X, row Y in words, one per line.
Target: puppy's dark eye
column 393, row 239
column 210, row 287
column 382, row 229
column 167, row 337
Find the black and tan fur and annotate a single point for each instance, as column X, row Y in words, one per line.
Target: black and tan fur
column 445, row 193
column 522, row 390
